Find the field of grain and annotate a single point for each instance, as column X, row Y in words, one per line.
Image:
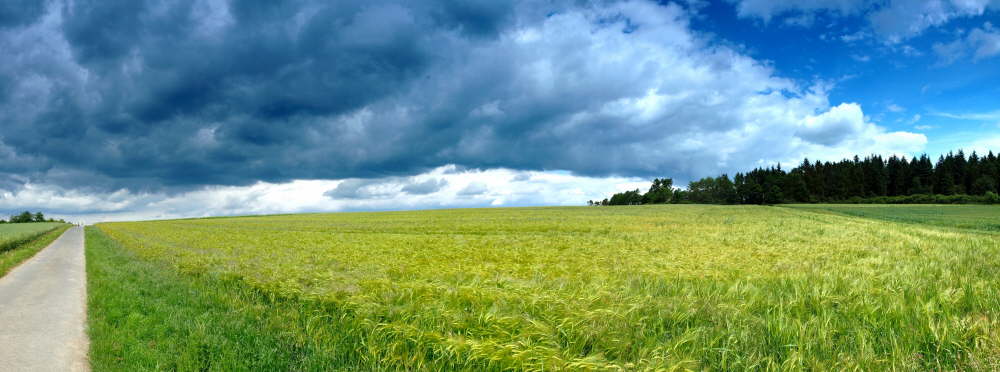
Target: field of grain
column 973, row 217
column 670, row 287
column 13, row 234
column 20, row 241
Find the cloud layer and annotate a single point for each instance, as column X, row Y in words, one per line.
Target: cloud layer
column 893, row 20
column 980, row 43
column 146, row 95
column 172, row 98
column 442, row 187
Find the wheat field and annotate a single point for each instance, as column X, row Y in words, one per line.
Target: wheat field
column 674, row 287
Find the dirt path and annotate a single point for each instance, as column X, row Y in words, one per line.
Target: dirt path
column 43, row 310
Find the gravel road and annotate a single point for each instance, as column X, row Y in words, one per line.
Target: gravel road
column 43, row 310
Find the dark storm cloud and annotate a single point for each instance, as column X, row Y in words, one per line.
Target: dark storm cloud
column 153, row 95
column 474, row 188
column 15, row 13
column 205, row 92
column 353, row 189
column 425, row 187
column 385, row 187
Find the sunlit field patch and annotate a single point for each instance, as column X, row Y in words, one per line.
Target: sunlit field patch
column 604, row 288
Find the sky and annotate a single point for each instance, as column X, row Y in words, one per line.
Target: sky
column 131, row 109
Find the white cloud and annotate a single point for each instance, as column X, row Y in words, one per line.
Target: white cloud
column 473, row 189
column 985, row 145
column 907, row 50
column 834, row 126
column 986, row 41
column 980, row 43
column 893, row 20
column 456, row 188
column 976, row 116
column 766, row 9
column 843, row 131
column 802, row 20
column 895, row 108
column 856, row 36
column 903, row 19
column 659, row 100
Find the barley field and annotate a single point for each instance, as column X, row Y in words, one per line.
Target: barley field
column 20, row 241
column 669, row 287
column 973, row 217
column 13, row 234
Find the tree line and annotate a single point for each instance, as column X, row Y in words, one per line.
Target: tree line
column 28, row 217
column 954, row 178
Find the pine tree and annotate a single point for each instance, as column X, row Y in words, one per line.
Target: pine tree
column 810, row 182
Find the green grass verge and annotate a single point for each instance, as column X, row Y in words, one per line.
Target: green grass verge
column 15, row 255
column 146, row 316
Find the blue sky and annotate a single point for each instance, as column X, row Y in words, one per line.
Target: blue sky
column 955, row 93
column 122, row 109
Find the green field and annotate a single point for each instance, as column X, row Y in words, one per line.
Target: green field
column 12, row 234
column 670, row 287
column 974, row 217
column 20, row 241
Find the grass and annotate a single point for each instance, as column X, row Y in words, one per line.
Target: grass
column 19, row 242
column 146, row 316
column 625, row 288
column 973, row 217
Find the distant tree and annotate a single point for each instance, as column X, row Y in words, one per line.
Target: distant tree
column 924, row 171
column 702, row 191
column 24, row 217
column 795, row 188
column 959, row 173
column 659, row 192
column 633, row 197
column 856, row 178
column 680, row 196
column 773, row 195
column 39, row 217
column 945, row 184
column 750, row 191
column 962, row 178
column 725, row 190
column 982, row 185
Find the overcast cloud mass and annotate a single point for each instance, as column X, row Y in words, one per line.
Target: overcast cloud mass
column 152, row 109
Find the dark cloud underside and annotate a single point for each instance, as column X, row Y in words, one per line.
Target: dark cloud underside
column 178, row 94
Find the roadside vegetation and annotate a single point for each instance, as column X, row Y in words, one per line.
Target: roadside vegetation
column 146, row 316
column 19, row 242
column 631, row 288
